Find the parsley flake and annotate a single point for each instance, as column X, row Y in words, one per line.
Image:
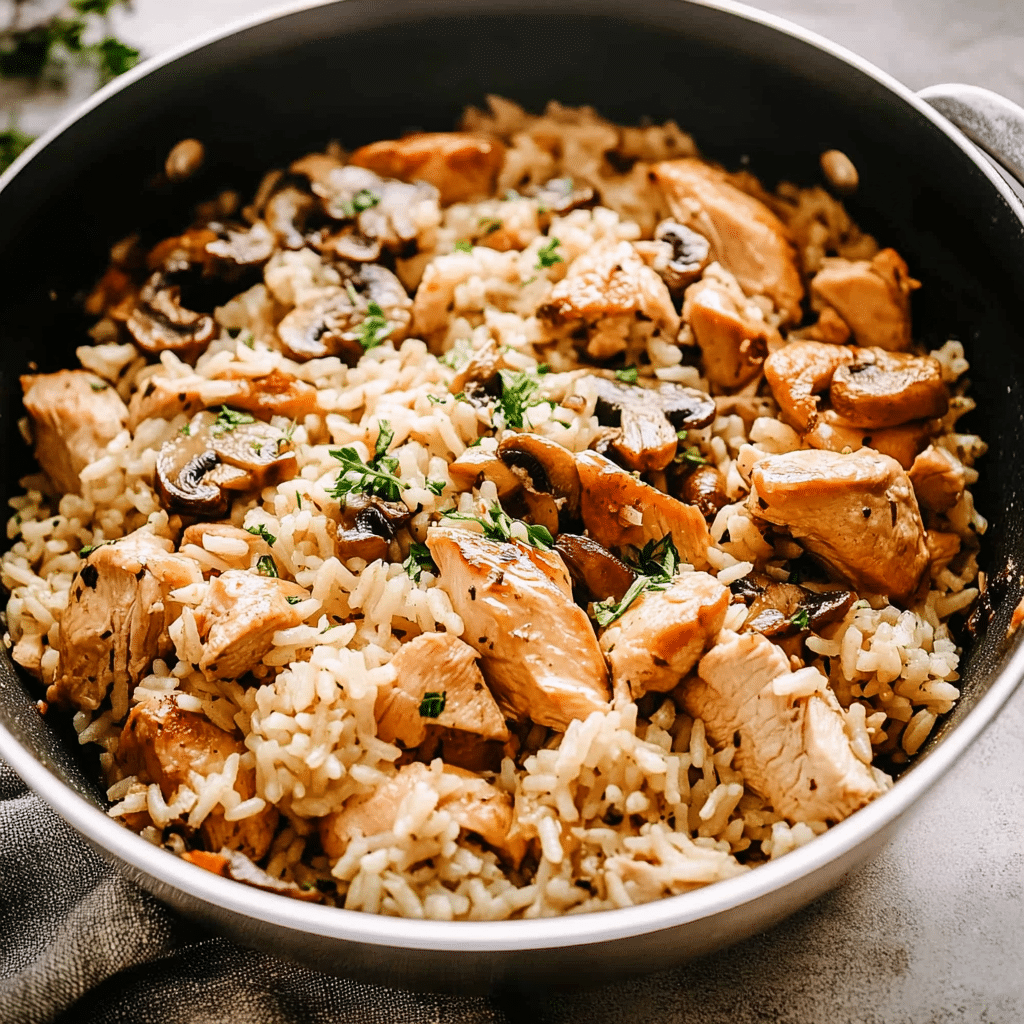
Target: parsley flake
column 293, row 599
column 418, row 561
column 463, row 246
column 489, row 225
column 261, row 531
column 435, row 486
column 266, row 566
column 433, row 703
column 498, row 524
column 547, row 257
column 98, row 385
column 656, row 562
column 628, row 375
column 229, row 419
column 517, row 395
column 692, row 455
column 364, row 199
column 374, row 477
column 374, row 328
column 801, row 619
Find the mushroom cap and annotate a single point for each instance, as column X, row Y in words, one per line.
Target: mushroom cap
column 159, row 322
column 594, row 569
column 550, row 468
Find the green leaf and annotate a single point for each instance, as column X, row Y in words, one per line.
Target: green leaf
column 489, row 225
column 266, row 566
column 657, row 558
column 115, row 58
column 98, row 385
column 90, row 548
column 262, row 531
column 374, row 477
column 606, row 612
column 418, row 560
column 374, row 329
column 228, row 419
column 433, row 703
column 385, row 435
column 435, row 486
column 364, row 199
column 547, row 257
column 12, row 144
column 463, row 246
column 517, row 395
column 801, row 618
column 692, row 455
column 498, row 524
column 628, row 375
column 293, row 599
column 186, row 431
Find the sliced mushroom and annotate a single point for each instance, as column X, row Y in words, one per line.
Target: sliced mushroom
column 704, row 487
column 560, row 195
column 287, row 214
column 178, row 253
column 689, row 255
column 243, row 247
column 596, row 573
column 369, row 524
column 349, row 244
column 798, row 372
column 551, row 469
column 476, row 464
column 196, row 473
column 160, row 322
column 650, row 419
column 884, row 389
column 783, row 609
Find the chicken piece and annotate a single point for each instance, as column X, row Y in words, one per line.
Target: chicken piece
column 75, row 415
column 856, row 513
column 538, row 651
column 162, row 743
column 460, row 166
column 938, row 478
column 443, row 664
column 275, row 394
column 902, row 443
column 605, row 289
column 745, row 236
column 872, row 297
column 793, row 751
column 619, row 509
column 116, row 619
column 733, row 345
column 664, row 632
column 238, row 617
column 476, row 805
column 942, row 549
column 798, row 372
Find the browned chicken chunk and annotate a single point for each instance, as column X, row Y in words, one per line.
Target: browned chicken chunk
column 745, row 236
column 664, row 632
column 872, row 297
column 538, row 651
column 116, row 619
column 459, row 165
column 75, row 415
column 443, row 665
column 793, row 751
column 938, row 478
column 619, row 509
column 605, row 289
column 162, row 743
column 474, row 803
column 733, row 345
column 238, row 617
column 856, row 513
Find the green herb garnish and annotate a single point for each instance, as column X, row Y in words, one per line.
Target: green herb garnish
column 497, row 524
column 419, row 559
column 435, row 486
column 692, row 455
column 90, row 548
column 801, row 619
column 606, row 612
column 433, row 703
column 229, row 419
column 656, row 562
column 458, row 355
column 547, row 257
column 463, row 246
column 364, row 199
column 374, row 328
column 628, row 375
column 262, row 531
column 517, row 395
column 266, row 566
column 186, row 431
column 489, row 225
column 374, row 477
column 293, row 599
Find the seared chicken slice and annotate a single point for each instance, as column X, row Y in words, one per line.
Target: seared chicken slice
column 619, row 509
column 793, row 751
column 603, row 290
column 75, row 415
column 477, row 806
column 275, row 394
column 745, row 236
column 873, row 298
column 856, row 513
column 162, row 743
column 663, row 633
column 938, row 478
column 459, row 165
column 733, row 345
column 238, row 617
column 116, row 619
column 538, row 651
column 438, row 663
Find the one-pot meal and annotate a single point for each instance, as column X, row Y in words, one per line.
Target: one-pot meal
column 530, row 519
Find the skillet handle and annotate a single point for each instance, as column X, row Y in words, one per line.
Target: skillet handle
column 989, row 120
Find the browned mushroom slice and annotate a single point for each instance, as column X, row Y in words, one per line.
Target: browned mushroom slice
column 369, row 524
column 560, row 195
column 178, row 253
column 349, row 244
column 689, row 254
column 704, row 487
column 596, row 573
column 884, row 389
column 459, row 165
column 287, row 213
column 798, row 372
column 160, row 322
column 783, row 609
column 550, row 469
column 244, row 247
column 650, row 419
column 231, row 452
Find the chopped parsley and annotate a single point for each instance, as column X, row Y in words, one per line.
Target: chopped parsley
column 437, row 399
column 801, row 619
column 433, row 703
column 517, row 395
column 186, row 431
column 266, row 566
column 628, row 375
column 364, row 199
column 247, row 339
column 458, row 355
column 293, row 599
column 229, row 419
column 12, row 144
column 98, row 385
column 419, row 560
column 547, row 257
column 374, row 329
column 498, row 524
column 298, row 500
column 262, row 531
column 463, row 246
column 375, row 477
column 489, row 225
column 692, row 455
column 90, row 548
column 435, row 486
column 656, row 562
